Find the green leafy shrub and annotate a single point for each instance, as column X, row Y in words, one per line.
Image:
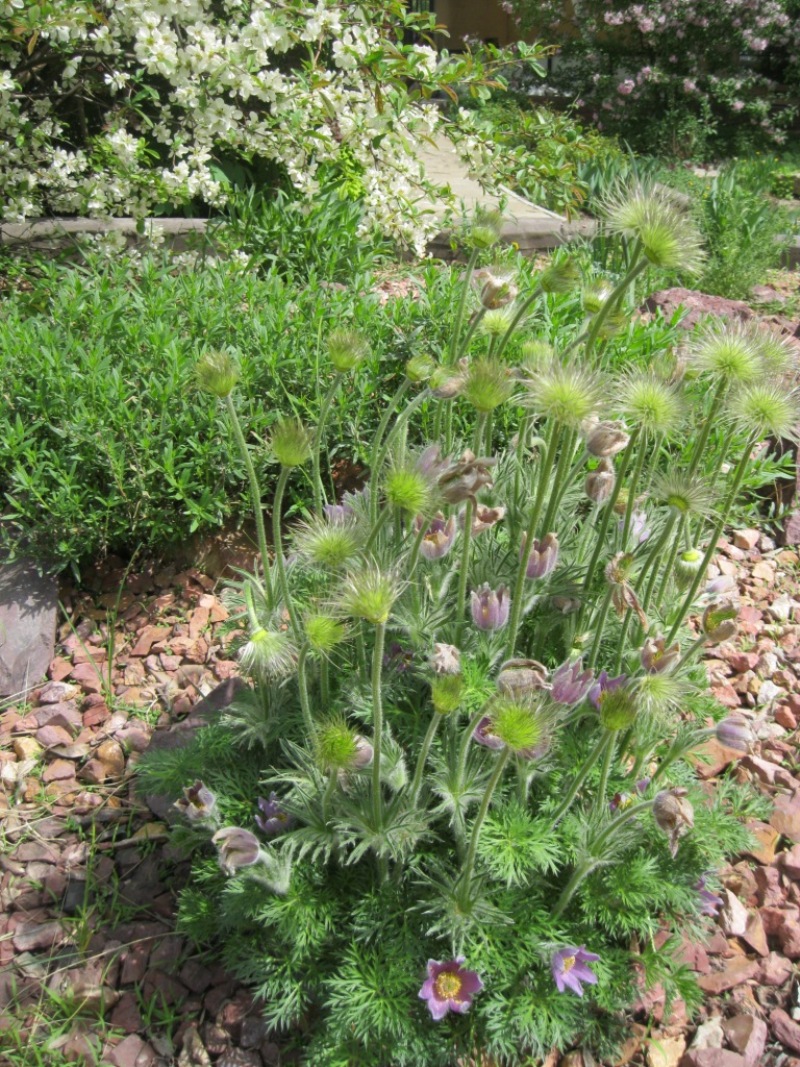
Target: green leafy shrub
column 474, row 689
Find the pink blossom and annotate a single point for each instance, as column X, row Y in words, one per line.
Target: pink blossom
column 626, row 87
column 738, row 105
column 646, row 25
column 689, row 86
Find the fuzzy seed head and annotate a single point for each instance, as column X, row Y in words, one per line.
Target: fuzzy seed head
column 496, row 322
column 653, row 216
column 729, row 352
column 324, row 632
column 618, row 708
column 327, row 544
column 685, row 495
column 567, row 395
column 485, row 231
column 651, row 404
column 778, row 357
column 269, row 653
column 347, row 348
column 335, row 747
column 560, row 277
column 658, row 694
column 291, row 442
column 517, row 725
column 488, row 384
column 446, row 691
column 594, row 296
column 420, row 368
column 767, row 409
column 217, row 373
column 408, row 490
column 535, row 356
column 369, row 594
column 446, row 383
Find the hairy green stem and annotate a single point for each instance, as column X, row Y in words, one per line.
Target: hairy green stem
column 711, row 419
column 669, row 563
column 580, row 778
column 283, row 478
column 599, row 624
column 422, row 759
column 638, row 266
column 319, row 495
column 465, row 879
column 377, row 723
column 255, row 498
column 519, row 584
column 605, row 771
column 463, row 574
column 302, row 688
column 520, row 312
column 560, row 482
column 460, row 306
column 688, row 600
column 582, row 871
column 652, row 561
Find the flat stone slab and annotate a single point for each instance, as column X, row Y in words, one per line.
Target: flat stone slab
column 28, row 611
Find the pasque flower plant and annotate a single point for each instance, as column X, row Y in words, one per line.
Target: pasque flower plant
column 472, row 736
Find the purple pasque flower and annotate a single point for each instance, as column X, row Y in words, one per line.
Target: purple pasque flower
column 484, row 518
column 570, row 684
column 272, row 818
column 619, row 802
column 570, row 968
column 236, row 848
column 485, row 735
column 338, row 514
column 490, row 609
column 542, row 557
column 449, row 987
column 198, row 803
column 438, row 538
column 710, row 903
column 604, row 685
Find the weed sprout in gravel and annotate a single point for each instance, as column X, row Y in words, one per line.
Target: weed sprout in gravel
column 478, row 688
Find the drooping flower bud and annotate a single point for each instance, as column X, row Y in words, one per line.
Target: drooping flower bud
column 673, row 814
column 519, row 678
column 497, row 287
column 734, row 731
column 542, row 557
column 484, row 518
column 466, row 477
column 236, row 848
column 599, row 484
column 719, row 621
column 606, row 439
column 445, row 384
column 560, row 277
column 490, row 609
column 656, row 657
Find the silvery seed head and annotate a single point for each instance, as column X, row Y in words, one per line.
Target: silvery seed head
column 446, row 659
column 665, row 230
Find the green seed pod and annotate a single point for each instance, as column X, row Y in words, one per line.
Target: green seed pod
column 446, row 691
column 217, row 373
column 618, row 709
column 291, row 442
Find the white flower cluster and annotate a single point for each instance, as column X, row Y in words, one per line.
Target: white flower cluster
column 112, row 107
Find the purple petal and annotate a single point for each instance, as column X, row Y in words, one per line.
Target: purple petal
column 438, row 1008
column 461, row 1006
column 586, row 957
column 558, row 978
column 427, row 989
column 572, row 980
column 583, row 974
column 470, row 983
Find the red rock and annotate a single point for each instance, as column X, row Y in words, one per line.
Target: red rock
column 30, row 935
column 195, row 976
column 59, row 668
column 711, row 757
column 765, row 840
column 56, row 693
column 747, row 1035
column 695, row 957
column 58, row 770
column 738, row 970
column 218, row 612
column 198, row 621
column 784, row 716
column 147, row 638
column 225, row 668
column 773, row 918
column 93, row 772
column 96, row 716
column 197, row 652
column 741, row 661
column 789, row 862
column 717, row 945
column 134, row 963
column 126, row 1015
column 746, row 539
column 785, row 1029
column 786, row 816
column 132, row 1052
column 50, row 736
column 775, row 970
column 789, row 939
column 755, row 935
column 65, row 714
column 712, row 1057
column 728, row 696
column 768, row 880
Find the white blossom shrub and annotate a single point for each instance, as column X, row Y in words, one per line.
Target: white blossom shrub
column 111, row 107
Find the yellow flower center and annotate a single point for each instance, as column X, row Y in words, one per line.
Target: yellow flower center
column 447, row 986
column 567, row 964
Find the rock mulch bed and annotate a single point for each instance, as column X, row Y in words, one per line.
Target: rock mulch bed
column 88, row 878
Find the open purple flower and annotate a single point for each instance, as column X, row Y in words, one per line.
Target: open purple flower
column 569, row 969
column 449, row 987
column 570, row 683
column 438, row 537
column 604, row 685
column 490, row 609
column 710, row 903
column 272, row 819
column 198, row 803
column 484, row 734
column 338, row 514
